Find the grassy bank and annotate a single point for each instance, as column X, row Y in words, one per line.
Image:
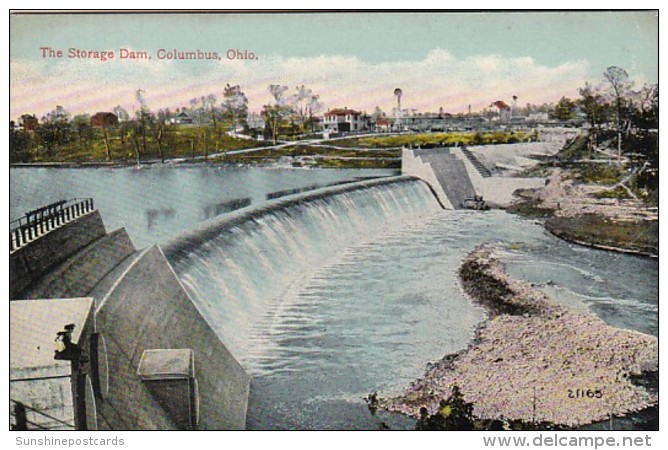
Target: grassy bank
column 447, row 139
column 175, row 142
column 641, row 236
column 586, row 204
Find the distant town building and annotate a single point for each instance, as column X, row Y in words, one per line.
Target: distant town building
column 104, row 120
column 382, row 125
column 427, row 121
column 183, row 118
column 255, row 121
column 502, row 110
column 538, row 117
column 343, row 120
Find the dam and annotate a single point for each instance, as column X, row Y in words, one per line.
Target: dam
column 325, row 296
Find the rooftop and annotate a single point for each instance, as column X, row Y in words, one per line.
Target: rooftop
column 166, row 363
column 342, row 112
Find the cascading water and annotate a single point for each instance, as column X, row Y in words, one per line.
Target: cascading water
column 239, row 268
column 328, row 296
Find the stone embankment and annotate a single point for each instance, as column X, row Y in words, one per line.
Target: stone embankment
column 534, row 359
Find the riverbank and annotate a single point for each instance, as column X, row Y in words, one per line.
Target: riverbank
column 589, row 214
column 534, row 359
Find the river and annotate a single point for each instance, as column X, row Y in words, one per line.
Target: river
column 326, row 303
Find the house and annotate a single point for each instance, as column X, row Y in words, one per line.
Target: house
column 503, row 110
column 182, row 118
column 104, row 120
column 255, row 121
column 382, row 125
column 343, row 120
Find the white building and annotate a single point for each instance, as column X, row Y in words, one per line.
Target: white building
column 343, row 120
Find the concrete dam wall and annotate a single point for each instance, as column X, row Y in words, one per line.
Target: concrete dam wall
column 456, row 174
column 29, row 263
column 140, row 306
column 216, row 285
column 443, row 170
column 147, row 308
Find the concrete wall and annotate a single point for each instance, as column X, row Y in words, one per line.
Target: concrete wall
column 147, row 308
column 79, row 274
column 495, row 190
column 29, row 263
column 413, row 165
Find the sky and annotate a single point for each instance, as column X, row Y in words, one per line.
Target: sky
column 355, row 60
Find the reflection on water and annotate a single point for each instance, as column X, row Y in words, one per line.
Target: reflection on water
column 155, row 215
column 217, row 209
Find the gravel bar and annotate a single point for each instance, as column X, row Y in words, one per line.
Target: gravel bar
column 535, row 360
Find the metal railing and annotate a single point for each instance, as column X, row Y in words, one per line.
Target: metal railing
column 39, row 221
column 20, row 416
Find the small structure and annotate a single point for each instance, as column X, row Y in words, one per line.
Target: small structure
column 169, row 374
column 255, row 121
column 182, row 118
column 382, row 125
column 55, row 390
column 104, row 120
column 343, row 120
column 503, row 110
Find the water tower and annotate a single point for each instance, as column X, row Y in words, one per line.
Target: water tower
column 397, row 115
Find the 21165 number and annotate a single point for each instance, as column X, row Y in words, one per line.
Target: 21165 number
column 582, row 393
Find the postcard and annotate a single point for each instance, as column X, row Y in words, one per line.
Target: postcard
column 334, row 221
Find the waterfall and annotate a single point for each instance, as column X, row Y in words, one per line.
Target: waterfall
column 239, row 266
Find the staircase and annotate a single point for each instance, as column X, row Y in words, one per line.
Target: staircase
column 484, row 171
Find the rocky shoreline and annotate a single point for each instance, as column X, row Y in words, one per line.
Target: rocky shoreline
column 535, row 360
column 571, row 211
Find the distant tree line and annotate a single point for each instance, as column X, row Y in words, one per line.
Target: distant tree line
column 622, row 120
column 203, row 126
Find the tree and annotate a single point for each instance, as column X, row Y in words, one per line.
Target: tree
column 595, row 108
column 159, row 130
column 314, row 106
column 19, row 144
column 209, row 108
column 81, row 124
column 377, row 114
column 142, row 116
column 620, row 87
column 646, row 114
column 235, row 105
column 304, row 104
column 196, row 109
column 54, row 130
column 565, row 109
column 274, row 115
column 123, row 123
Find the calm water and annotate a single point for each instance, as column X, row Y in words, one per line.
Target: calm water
column 157, row 202
column 325, row 303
